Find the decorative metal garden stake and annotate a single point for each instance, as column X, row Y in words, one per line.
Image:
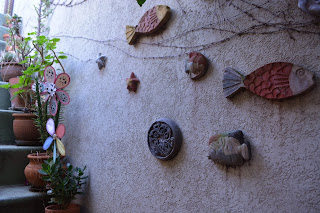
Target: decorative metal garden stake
column 101, row 61
column 310, row 6
column 55, row 135
column 132, row 83
column 277, row 80
column 228, row 149
column 150, row 22
column 52, row 88
column 196, row 65
column 164, row 139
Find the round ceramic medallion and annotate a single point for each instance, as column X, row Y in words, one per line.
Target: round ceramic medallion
column 164, row 139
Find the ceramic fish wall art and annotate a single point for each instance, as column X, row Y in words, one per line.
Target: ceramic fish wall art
column 310, row 6
column 196, row 65
column 277, row 80
column 150, row 22
column 132, row 83
column 229, row 149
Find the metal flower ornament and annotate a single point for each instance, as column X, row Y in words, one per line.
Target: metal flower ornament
column 55, row 137
column 52, row 88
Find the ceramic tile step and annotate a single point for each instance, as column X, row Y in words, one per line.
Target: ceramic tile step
column 3, row 45
column 18, row 199
column 6, row 123
column 3, row 18
column 4, row 97
column 13, row 160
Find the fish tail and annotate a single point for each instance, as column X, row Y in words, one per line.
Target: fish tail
column 232, row 82
column 131, row 34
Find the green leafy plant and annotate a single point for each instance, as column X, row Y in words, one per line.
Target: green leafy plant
column 64, row 183
column 41, row 53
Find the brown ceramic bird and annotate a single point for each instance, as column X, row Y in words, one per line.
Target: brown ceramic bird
column 150, row 22
column 132, row 83
column 196, row 65
column 277, row 80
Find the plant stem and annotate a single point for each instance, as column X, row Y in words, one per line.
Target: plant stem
column 39, row 18
column 56, row 118
column 58, row 60
column 39, row 112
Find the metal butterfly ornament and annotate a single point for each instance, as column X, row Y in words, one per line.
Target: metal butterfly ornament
column 53, row 86
column 55, row 137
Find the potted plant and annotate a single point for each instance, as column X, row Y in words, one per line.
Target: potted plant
column 48, row 92
column 64, row 183
column 10, row 66
column 10, row 59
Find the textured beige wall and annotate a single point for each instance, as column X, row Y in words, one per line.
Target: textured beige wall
column 107, row 126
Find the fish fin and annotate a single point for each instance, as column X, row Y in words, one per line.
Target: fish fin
column 131, row 34
column 244, row 151
column 232, row 82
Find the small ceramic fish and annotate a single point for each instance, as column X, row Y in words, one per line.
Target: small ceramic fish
column 228, row 149
column 310, row 6
column 150, row 22
column 196, row 65
column 132, row 83
column 277, row 80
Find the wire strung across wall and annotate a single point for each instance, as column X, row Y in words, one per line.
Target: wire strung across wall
column 66, row 3
column 273, row 21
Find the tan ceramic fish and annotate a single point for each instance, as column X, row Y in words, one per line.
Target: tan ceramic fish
column 150, row 22
column 229, row 149
column 278, row 80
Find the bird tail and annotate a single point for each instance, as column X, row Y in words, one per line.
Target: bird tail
column 232, row 82
column 131, row 34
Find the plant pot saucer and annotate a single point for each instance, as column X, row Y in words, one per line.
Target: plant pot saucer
column 27, row 143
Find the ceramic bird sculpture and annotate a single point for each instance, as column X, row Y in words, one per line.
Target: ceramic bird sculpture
column 277, row 80
column 310, row 6
column 101, row 61
column 132, row 83
column 196, row 65
column 228, row 149
column 150, row 22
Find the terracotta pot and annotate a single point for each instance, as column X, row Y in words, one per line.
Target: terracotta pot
column 6, row 36
column 72, row 208
column 25, row 130
column 10, row 70
column 17, row 102
column 31, row 171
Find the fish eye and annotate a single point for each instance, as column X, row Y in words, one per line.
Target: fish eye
column 300, row 72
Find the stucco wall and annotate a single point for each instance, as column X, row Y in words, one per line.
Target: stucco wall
column 107, row 125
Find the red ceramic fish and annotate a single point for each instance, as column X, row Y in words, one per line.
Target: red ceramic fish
column 277, row 80
column 150, row 22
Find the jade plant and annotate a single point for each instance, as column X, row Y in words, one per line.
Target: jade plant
column 63, row 183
